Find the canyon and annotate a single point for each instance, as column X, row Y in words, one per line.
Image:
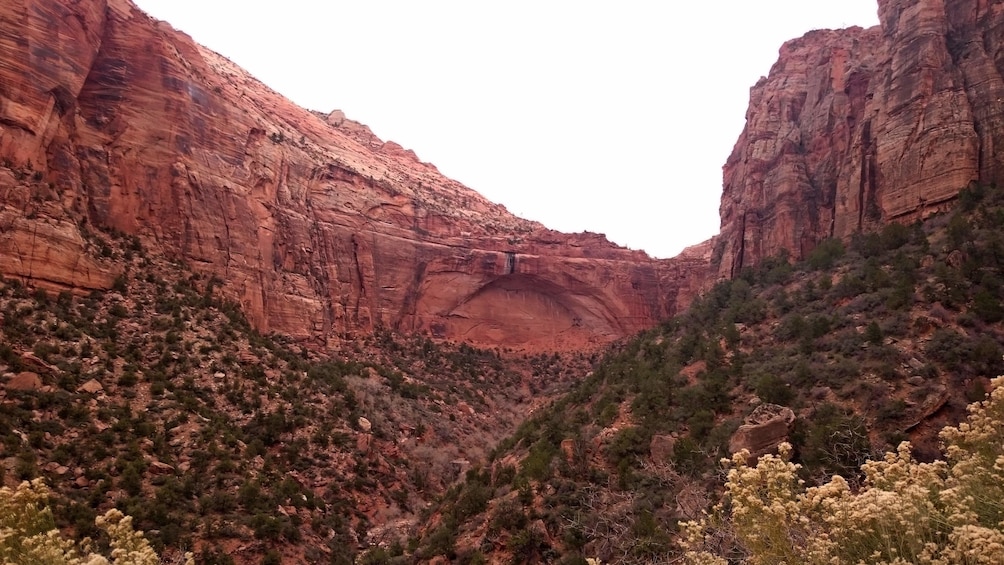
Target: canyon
column 319, row 229
column 110, row 119
column 206, row 230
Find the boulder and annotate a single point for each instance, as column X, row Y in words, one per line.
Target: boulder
column 24, row 381
column 363, row 443
column 91, row 387
column 661, row 448
column 763, row 430
column 35, row 363
column 160, row 468
column 364, row 424
column 568, row 449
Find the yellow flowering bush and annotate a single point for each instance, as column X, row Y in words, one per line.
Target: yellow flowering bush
column 940, row 513
column 28, row 534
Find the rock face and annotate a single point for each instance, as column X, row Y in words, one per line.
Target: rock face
column 113, row 120
column 763, row 430
column 25, row 380
column 858, row 127
column 319, row 229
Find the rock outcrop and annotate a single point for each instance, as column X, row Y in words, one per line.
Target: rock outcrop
column 110, row 119
column 858, row 127
column 763, row 430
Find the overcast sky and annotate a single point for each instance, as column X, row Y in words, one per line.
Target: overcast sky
column 611, row 117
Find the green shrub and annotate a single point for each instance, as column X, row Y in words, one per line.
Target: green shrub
column 773, row 389
column 825, row 255
column 537, row 465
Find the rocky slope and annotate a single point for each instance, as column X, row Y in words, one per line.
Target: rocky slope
column 843, row 355
column 855, row 128
column 158, row 398
column 321, row 230
column 317, row 227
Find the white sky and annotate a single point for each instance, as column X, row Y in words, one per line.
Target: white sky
column 612, row 117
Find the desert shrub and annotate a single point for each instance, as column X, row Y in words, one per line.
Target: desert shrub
column 473, row 498
column 894, row 236
column 700, row 424
column 873, row 333
column 630, row 441
column 265, row 526
column 867, row 244
column 526, row 544
column 773, row 389
column 28, row 533
column 537, row 464
column 606, row 410
column 508, row 516
column 504, row 476
column 826, row 254
column 818, row 325
column 850, row 285
column 832, row 441
column 688, row 457
column 962, row 355
column 987, row 306
column 971, row 196
column 441, row 541
column 947, row 511
column 791, row 327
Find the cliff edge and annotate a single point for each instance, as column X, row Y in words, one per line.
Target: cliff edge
column 111, row 119
column 855, row 128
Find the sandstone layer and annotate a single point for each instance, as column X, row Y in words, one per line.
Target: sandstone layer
column 110, row 119
column 113, row 120
column 855, row 128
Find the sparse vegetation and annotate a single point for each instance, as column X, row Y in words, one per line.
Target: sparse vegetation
column 28, row 534
column 190, row 401
column 869, row 343
column 156, row 398
column 942, row 512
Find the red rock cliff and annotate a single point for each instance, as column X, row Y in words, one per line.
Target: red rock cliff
column 112, row 119
column 858, row 127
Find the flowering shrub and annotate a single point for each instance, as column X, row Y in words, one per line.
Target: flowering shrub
column 949, row 511
column 28, row 534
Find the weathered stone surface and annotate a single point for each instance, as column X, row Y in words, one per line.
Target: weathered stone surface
column 91, row 387
column 317, row 227
column 568, row 450
column 31, row 361
column 363, row 443
column 763, row 430
column 858, row 127
column 25, row 380
column 320, row 229
column 661, row 448
column 160, row 468
column 935, row 400
column 364, row 424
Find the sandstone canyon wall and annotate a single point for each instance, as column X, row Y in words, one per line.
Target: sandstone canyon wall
column 111, row 119
column 858, row 127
